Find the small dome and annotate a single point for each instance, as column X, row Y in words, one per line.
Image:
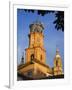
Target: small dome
column 57, row 56
column 57, row 53
column 57, row 50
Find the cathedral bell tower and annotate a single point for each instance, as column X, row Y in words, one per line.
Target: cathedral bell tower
column 35, row 55
column 36, row 49
column 34, row 66
column 57, row 64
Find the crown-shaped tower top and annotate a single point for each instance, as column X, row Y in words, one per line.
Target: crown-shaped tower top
column 36, row 26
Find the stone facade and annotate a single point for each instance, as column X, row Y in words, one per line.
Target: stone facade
column 35, row 56
column 57, row 64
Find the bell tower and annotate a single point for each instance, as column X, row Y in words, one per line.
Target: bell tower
column 36, row 49
column 34, row 66
column 57, row 64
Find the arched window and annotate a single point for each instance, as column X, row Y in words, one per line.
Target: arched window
column 41, row 57
column 56, row 62
column 32, row 57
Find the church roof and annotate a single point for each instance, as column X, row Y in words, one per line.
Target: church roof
column 58, row 56
column 35, row 60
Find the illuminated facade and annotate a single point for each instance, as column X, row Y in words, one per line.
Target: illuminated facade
column 57, row 64
column 35, row 56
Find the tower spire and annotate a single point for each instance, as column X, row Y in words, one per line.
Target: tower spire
column 57, row 51
column 57, row 63
column 22, row 59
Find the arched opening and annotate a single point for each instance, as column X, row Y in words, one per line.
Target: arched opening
column 41, row 57
column 56, row 62
column 32, row 57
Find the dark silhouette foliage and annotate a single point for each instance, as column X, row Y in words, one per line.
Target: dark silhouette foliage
column 59, row 17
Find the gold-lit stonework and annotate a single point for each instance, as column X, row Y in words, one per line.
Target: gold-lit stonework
column 57, row 64
column 35, row 56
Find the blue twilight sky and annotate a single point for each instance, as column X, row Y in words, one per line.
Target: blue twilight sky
column 52, row 37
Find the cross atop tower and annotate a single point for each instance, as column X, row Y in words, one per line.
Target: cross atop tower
column 57, row 51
